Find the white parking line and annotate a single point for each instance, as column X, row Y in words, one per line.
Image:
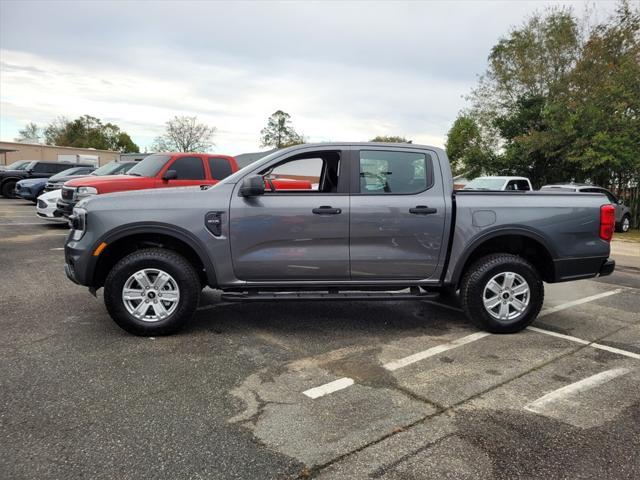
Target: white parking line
column 416, row 357
column 580, row 301
column 538, row 406
column 345, row 382
column 330, row 387
column 586, row 342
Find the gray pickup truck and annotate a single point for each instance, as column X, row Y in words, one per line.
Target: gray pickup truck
column 346, row 221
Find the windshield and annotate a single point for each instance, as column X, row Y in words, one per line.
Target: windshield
column 19, row 165
column 485, row 183
column 66, row 173
column 150, row 166
column 110, row 168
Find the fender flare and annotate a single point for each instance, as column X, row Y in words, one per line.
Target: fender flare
column 173, row 231
column 489, row 235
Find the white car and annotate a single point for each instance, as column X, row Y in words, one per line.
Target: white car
column 499, row 183
column 46, row 206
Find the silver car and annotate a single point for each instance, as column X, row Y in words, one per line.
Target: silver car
column 623, row 213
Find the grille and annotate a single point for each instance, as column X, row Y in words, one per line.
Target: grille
column 67, row 193
column 42, row 204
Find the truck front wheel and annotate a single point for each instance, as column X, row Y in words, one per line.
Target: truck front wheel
column 502, row 293
column 152, row 292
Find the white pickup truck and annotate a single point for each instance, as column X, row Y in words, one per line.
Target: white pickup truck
column 517, row 184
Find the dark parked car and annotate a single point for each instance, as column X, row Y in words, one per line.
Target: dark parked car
column 32, row 188
column 623, row 213
column 34, row 169
column 376, row 222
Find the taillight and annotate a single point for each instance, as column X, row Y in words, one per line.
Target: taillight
column 607, row 221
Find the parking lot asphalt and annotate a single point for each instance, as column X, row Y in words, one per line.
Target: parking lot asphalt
column 389, row 390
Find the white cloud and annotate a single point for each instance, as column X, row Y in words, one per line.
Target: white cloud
column 344, row 71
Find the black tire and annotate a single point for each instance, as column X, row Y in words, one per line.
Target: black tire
column 478, row 276
column 8, row 187
column 620, row 227
column 174, row 264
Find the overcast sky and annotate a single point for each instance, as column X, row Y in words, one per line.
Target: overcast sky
column 343, row 70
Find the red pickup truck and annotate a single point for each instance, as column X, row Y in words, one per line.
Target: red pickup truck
column 162, row 170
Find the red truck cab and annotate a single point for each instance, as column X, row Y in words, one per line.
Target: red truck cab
column 160, row 170
column 163, row 170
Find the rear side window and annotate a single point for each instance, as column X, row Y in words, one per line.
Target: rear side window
column 188, row 168
column 41, row 167
column 393, row 172
column 518, row 185
column 220, row 168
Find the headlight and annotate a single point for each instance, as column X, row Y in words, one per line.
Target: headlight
column 83, row 192
column 78, row 223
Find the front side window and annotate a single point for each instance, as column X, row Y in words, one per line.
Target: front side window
column 384, row 172
column 188, row 168
column 220, row 168
column 314, row 172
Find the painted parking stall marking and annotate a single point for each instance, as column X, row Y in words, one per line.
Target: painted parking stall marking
column 394, row 365
column 328, row 388
column 599, row 346
column 580, row 301
column 416, row 357
column 546, row 401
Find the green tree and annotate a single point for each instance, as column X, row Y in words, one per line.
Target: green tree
column 30, row 133
column 88, row 132
column 390, row 139
column 466, row 149
column 279, row 133
column 185, row 134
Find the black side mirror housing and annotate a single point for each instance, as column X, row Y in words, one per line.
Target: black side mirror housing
column 169, row 175
column 252, row 186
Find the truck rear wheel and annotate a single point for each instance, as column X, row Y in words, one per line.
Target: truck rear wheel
column 502, row 293
column 152, row 292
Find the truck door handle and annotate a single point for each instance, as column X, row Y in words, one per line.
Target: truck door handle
column 423, row 210
column 326, row 210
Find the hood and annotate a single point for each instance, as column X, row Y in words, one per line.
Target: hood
column 52, row 194
column 12, row 173
column 31, row 182
column 67, row 178
column 96, row 181
column 160, row 199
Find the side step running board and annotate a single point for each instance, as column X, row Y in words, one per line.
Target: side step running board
column 264, row 296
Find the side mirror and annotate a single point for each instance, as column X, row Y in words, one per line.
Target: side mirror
column 169, row 175
column 252, row 186
column 620, row 202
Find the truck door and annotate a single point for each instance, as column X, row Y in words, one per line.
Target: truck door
column 397, row 214
column 300, row 229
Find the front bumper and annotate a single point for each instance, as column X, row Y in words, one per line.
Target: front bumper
column 80, row 265
column 49, row 211
column 25, row 193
